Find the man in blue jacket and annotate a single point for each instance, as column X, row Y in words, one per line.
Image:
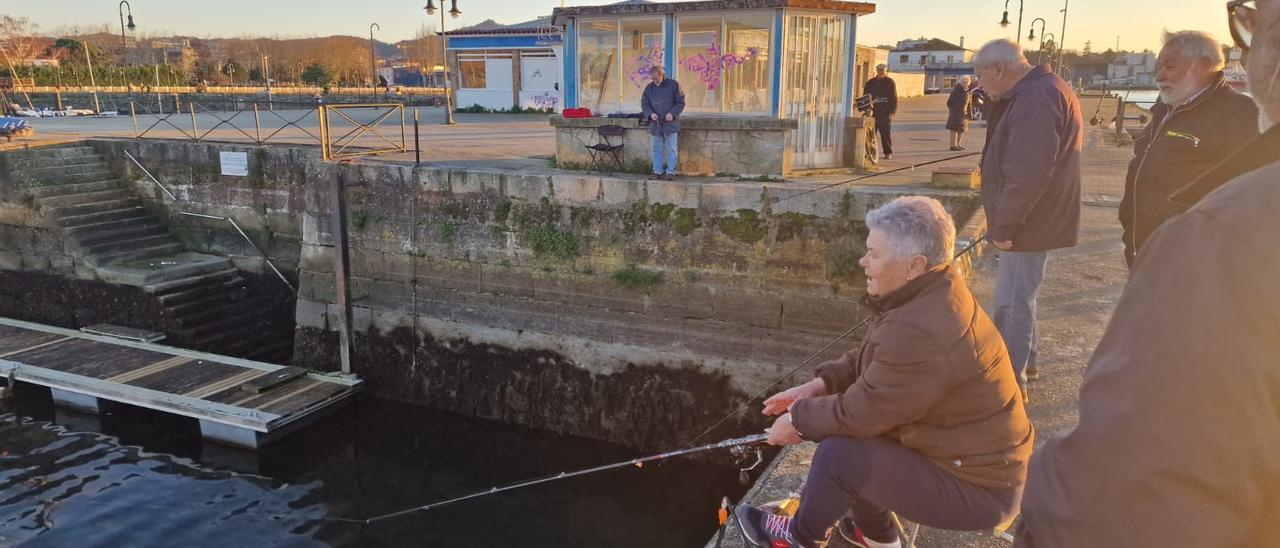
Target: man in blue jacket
column 661, row 104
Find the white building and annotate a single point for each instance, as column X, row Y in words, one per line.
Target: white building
column 1137, row 69
column 500, row 67
column 913, row 55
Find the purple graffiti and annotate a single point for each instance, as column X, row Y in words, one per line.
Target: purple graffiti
column 710, row 63
column 546, row 100
column 638, row 66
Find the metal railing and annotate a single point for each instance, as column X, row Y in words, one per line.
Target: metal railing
column 246, row 237
column 340, row 147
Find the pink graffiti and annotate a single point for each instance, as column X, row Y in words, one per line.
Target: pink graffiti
column 638, row 67
column 710, row 63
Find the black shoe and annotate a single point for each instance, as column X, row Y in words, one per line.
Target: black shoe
column 656, row 177
column 761, row 528
column 668, row 177
column 956, row 148
column 888, row 156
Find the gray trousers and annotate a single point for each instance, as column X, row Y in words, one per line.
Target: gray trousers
column 1018, row 281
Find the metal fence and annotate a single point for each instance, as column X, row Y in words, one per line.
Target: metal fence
column 341, row 130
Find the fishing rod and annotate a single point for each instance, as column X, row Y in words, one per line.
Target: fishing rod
column 811, row 357
column 741, row 446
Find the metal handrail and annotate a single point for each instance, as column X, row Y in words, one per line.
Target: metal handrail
column 153, row 178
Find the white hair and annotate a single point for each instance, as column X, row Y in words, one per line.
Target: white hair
column 1195, row 44
column 916, row 225
column 966, row 79
column 999, row 52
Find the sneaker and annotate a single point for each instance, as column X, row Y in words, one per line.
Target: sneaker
column 956, row 148
column 656, row 177
column 850, row 532
column 669, row 177
column 762, row 528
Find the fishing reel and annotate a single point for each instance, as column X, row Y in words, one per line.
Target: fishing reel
column 747, row 457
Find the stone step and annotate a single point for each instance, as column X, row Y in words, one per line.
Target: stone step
column 49, row 191
column 194, row 306
column 85, row 165
column 19, row 163
column 144, row 271
column 164, row 289
column 135, row 254
column 237, row 335
column 73, row 178
column 84, row 197
column 139, row 242
column 58, row 154
column 93, row 240
column 77, row 210
column 77, row 222
column 218, row 287
column 234, row 319
column 86, row 230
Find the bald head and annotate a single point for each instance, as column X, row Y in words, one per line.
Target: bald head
column 1000, row 64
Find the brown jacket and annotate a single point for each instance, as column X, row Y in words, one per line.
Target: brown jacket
column 933, row 374
column 1179, row 435
column 1031, row 164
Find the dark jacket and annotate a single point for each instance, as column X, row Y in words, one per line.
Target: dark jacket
column 883, row 88
column 933, row 374
column 1179, row 436
column 1031, row 164
column 958, row 109
column 667, row 98
column 1167, row 155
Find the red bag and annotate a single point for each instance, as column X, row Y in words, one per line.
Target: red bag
column 577, row 112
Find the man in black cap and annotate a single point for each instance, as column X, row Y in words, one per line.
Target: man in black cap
column 884, row 95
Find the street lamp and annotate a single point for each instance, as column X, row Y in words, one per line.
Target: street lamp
column 1032, row 36
column 1004, row 20
column 444, row 43
column 373, row 62
column 1063, row 35
column 121, row 8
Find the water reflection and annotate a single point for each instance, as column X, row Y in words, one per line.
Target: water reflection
column 65, row 485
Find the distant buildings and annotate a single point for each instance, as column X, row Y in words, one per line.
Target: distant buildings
column 503, row 66
column 941, row 62
column 1132, row 69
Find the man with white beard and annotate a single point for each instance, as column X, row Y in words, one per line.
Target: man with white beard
column 1179, row 435
column 1198, row 122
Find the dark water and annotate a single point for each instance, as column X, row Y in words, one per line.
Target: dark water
column 151, row 481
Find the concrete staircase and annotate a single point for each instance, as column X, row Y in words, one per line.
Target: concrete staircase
column 208, row 304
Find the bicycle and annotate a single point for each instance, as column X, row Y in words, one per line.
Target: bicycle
column 866, row 107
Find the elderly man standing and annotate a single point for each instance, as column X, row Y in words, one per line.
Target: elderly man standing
column 661, row 103
column 1030, row 185
column 1198, row 122
column 884, row 96
column 1179, row 436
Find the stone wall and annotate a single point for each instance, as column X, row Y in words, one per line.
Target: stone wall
column 707, row 145
column 28, row 240
column 622, row 309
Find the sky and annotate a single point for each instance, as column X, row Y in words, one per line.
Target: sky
column 1137, row 23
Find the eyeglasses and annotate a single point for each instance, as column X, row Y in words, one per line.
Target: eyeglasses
column 1240, row 15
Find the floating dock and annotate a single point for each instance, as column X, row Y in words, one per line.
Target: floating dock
column 237, row 402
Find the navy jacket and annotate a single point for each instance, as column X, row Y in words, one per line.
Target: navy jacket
column 1031, row 164
column 661, row 100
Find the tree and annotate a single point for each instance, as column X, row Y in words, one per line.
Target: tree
column 317, row 75
column 17, row 37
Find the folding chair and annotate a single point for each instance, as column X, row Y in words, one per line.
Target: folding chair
column 605, row 148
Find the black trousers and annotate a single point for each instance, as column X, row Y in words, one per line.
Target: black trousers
column 873, row 476
column 884, row 126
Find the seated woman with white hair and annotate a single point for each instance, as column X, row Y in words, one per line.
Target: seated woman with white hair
column 924, row 418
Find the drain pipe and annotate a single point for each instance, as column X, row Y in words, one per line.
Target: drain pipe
column 341, row 268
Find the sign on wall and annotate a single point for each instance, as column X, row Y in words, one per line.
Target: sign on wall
column 235, row 164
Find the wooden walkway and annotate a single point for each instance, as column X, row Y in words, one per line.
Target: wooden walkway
column 81, row 368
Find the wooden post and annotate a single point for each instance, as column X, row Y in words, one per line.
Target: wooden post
column 1120, row 112
column 341, row 268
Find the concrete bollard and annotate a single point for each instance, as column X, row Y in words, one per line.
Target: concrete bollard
column 957, row 177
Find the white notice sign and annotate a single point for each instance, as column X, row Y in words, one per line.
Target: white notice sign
column 235, row 163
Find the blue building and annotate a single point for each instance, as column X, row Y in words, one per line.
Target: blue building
column 502, row 66
column 735, row 58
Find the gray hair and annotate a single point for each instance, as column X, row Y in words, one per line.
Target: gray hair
column 1196, row 45
column 658, row 69
column 882, row 66
column 999, row 52
column 916, row 225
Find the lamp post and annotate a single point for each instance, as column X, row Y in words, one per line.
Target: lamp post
column 1063, row 35
column 1032, row 36
column 1004, row 20
column 444, row 52
column 373, row 60
column 124, row 45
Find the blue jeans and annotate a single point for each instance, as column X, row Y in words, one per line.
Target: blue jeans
column 664, row 143
column 1018, row 281
column 871, row 476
